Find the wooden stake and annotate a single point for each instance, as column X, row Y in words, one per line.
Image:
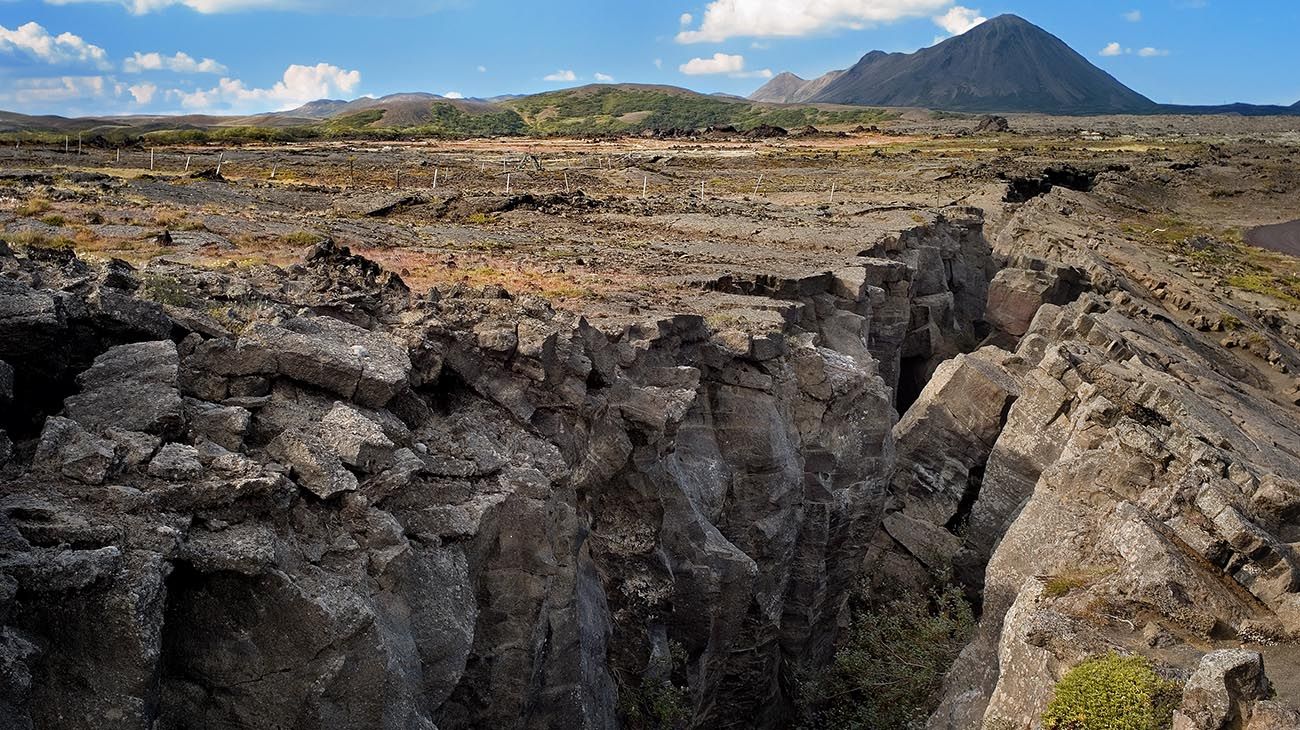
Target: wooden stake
column 78, row 143
column 187, row 162
column 119, row 156
column 65, row 144
column 566, row 183
column 274, row 165
column 151, row 159
column 832, row 192
column 757, row 184
column 507, row 183
column 435, row 177
column 701, row 192
column 645, row 183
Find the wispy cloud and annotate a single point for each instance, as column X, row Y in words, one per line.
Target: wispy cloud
column 724, row 19
column 1115, row 49
column 561, row 75
column 212, row 7
column 181, row 62
column 603, row 78
column 1133, row 16
column 41, row 94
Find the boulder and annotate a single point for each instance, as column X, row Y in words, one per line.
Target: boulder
column 131, row 387
column 176, row 462
column 31, row 321
column 359, row 441
column 1016, row 295
column 963, row 407
column 992, row 124
column 223, row 425
column 248, row 549
column 133, row 447
column 1218, row 694
column 66, row 449
column 121, row 314
column 367, row 367
column 315, row 465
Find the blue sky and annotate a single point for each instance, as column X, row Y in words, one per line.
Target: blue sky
column 234, row 56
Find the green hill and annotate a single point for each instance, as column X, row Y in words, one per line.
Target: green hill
column 588, row 110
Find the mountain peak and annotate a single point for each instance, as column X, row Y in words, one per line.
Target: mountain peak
column 1006, row 64
column 1007, row 19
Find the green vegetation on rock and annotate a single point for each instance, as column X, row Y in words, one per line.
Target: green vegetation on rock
column 889, row 671
column 1113, row 692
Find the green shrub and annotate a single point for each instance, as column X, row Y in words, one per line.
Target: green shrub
column 889, row 672
column 301, row 238
column 659, row 704
column 1113, row 692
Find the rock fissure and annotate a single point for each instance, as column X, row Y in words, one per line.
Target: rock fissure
column 368, row 509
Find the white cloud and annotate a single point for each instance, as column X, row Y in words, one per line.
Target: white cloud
column 298, row 85
column 345, row 7
column 1112, row 49
column 659, row 63
column 181, row 63
column 1150, row 52
column 561, row 75
column 686, row 19
column 143, row 93
column 453, row 95
column 34, row 40
column 603, row 78
column 482, row 69
column 958, row 20
column 724, row 19
column 721, row 63
column 1133, row 16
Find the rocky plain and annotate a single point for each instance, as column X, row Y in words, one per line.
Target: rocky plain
column 621, row 433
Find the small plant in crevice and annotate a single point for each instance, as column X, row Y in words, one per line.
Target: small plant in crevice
column 1113, row 692
column 658, row 704
column 165, row 290
column 889, row 670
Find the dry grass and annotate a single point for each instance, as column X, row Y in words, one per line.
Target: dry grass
column 33, row 206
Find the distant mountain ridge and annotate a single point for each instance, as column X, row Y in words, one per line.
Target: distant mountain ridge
column 595, row 109
column 1005, row 64
column 788, row 88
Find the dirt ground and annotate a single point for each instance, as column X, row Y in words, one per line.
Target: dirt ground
column 618, row 228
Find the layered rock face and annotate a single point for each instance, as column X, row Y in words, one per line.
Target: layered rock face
column 316, row 501
column 308, row 498
column 1118, row 484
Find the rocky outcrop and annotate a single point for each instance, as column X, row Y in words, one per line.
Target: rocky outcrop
column 462, row 512
column 346, row 506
